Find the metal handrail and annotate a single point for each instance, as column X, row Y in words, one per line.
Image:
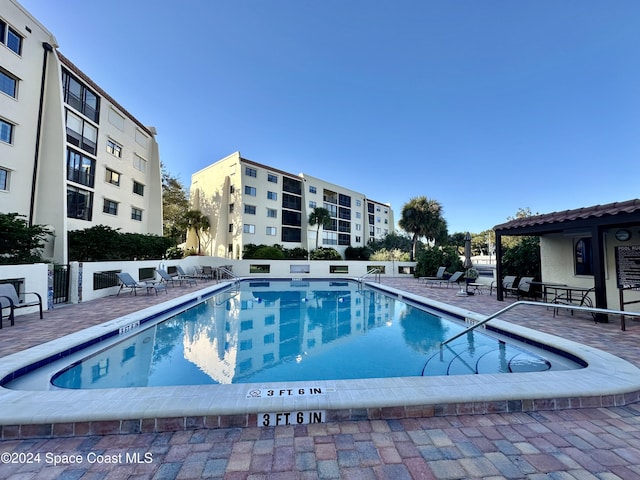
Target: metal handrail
column 538, row 304
column 370, row 272
column 229, row 274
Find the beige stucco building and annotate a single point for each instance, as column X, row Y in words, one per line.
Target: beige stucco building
column 251, row 203
column 71, row 157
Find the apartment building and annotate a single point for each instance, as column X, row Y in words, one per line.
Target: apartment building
column 71, row 157
column 248, row 202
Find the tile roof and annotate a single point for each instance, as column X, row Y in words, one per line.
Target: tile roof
column 597, row 211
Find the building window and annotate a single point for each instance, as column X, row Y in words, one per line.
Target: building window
column 250, row 190
column 80, row 169
column 292, row 185
column 272, row 178
column 112, row 177
column 110, row 207
column 250, row 172
column 312, row 189
column 11, row 38
column 291, row 234
column 139, row 163
column 584, row 257
column 291, row 202
column 329, row 238
column 138, row 188
column 248, row 228
column 232, row 189
column 250, row 209
column 231, row 207
column 142, row 139
column 80, row 97
column 79, row 203
column 4, row 180
column 272, row 213
column 272, row 231
column 136, row 214
column 6, row 131
column 231, row 228
column 81, row 133
column 333, row 210
column 8, row 84
column 114, row 149
column 344, row 200
column 272, row 196
column 116, row 119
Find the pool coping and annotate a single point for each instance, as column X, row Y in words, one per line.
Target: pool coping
column 606, row 381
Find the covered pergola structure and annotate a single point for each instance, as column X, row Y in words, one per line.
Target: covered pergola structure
column 607, row 226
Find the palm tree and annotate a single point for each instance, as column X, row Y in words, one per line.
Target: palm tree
column 422, row 217
column 322, row 218
column 198, row 222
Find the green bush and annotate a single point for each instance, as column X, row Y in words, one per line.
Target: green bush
column 296, row 253
column 174, row 253
column 266, row 252
column 19, row 242
column 102, row 243
column 357, row 253
column 323, row 253
column 431, row 258
column 523, row 259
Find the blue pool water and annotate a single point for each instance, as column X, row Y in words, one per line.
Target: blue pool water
column 268, row 331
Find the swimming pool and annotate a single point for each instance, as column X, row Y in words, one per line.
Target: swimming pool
column 605, row 381
column 282, row 330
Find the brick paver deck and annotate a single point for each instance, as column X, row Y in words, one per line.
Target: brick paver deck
column 601, row 443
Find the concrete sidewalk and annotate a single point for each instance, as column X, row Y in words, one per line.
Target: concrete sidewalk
column 601, row 443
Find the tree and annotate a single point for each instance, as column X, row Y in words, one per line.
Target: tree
column 175, row 204
column 322, row 218
column 422, row 217
column 19, row 242
column 197, row 222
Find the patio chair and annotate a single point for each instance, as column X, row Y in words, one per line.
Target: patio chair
column 172, row 279
column 440, row 275
column 184, row 276
column 127, row 281
column 507, row 284
column 583, row 300
column 9, row 299
column 210, row 272
column 510, row 285
column 455, row 278
column 524, row 288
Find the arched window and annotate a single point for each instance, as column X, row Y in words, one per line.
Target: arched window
column 583, row 257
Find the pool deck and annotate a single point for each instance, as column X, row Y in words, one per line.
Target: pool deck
column 602, row 442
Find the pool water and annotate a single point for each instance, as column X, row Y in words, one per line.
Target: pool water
column 269, row 331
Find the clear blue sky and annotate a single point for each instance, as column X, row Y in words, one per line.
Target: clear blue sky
column 486, row 106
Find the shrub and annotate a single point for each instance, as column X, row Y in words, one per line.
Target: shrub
column 296, row 253
column 102, row 243
column 174, row 253
column 324, row 253
column 389, row 255
column 357, row 253
column 266, row 252
column 19, row 242
column 431, row 258
column 522, row 259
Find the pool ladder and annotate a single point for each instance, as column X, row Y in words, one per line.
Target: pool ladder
column 373, row 271
column 228, row 274
column 539, row 304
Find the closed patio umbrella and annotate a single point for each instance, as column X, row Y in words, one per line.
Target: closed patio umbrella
column 467, row 264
